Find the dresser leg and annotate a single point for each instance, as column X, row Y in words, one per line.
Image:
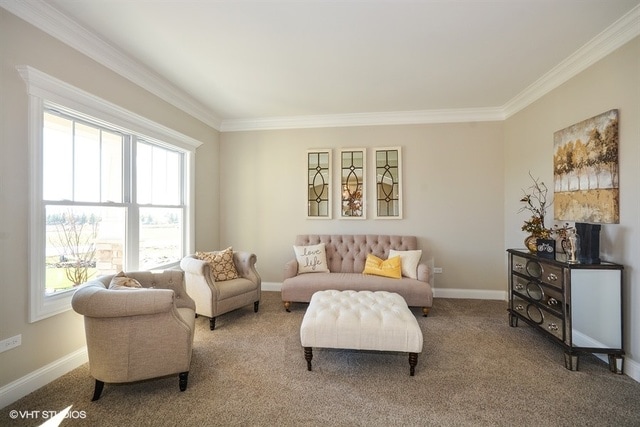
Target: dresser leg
column 571, row 361
column 513, row 320
column 616, row 364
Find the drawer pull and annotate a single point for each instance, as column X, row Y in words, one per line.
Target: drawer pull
column 519, row 307
column 552, row 277
column 552, row 302
column 552, row 327
column 518, row 266
column 519, row 287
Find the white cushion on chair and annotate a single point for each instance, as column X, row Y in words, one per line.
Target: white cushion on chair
column 361, row 321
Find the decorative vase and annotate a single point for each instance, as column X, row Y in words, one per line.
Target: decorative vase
column 573, row 248
column 531, row 243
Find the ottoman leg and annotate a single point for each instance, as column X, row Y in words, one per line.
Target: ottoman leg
column 413, row 361
column 308, row 355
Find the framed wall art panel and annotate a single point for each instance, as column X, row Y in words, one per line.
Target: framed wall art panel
column 352, row 183
column 388, row 178
column 319, row 184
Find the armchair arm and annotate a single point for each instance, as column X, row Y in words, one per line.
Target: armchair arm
column 193, row 265
column 291, row 269
column 245, row 263
column 93, row 300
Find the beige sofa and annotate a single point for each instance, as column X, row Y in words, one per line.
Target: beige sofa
column 136, row 334
column 346, row 256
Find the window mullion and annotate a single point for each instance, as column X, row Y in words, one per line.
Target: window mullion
column 132, row 234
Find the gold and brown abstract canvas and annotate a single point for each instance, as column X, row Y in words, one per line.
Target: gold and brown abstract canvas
column 585, row 171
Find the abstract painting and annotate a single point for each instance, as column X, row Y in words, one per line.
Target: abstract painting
column 585, row 171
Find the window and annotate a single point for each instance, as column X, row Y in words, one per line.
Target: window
column 110, row 191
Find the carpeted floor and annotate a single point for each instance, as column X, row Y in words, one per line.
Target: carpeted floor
column 474, row 370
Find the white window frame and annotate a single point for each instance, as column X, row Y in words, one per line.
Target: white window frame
column 46, row 90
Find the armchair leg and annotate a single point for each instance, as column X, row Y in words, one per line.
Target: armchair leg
column 287, row 305
column 255, row 306
column 183, row 377
column 97, row 391
column 212, row 323
column 425, row 311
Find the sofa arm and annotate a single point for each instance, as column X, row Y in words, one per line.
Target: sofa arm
column 291, row 269
column 93, row 300
column 245, row 263
column 423, row 273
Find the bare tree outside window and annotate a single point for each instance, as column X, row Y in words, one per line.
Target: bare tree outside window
column 75, row 238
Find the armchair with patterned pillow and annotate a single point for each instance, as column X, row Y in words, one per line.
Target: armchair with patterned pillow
column 221, row 281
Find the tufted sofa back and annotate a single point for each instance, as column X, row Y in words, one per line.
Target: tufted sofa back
column 347, row 253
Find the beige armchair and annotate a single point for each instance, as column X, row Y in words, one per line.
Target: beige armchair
column 214, row 298
column 137, row 333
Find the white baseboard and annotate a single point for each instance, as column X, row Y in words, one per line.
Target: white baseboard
column 271, row 286
column 470, row 294
column 632, row 369
column 41, row 377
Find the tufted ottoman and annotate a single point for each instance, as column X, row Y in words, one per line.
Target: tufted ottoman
column 362, row 320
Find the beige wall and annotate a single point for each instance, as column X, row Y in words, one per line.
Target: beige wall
column 453, row 177
column 614, row 82
column 49, row 340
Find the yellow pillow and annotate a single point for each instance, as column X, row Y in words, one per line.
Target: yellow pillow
column 391, row 267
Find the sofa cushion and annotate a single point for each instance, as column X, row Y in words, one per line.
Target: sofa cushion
column 301, row 287
column 410, row 261
column 391, row 267
column 311, row 258
column 222, row 266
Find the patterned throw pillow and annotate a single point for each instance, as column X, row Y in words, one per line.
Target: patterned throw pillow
column 311, row 259
column 121, row 281
column 391, row 267
column 222, row 266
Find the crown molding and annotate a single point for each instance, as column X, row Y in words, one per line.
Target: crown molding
column 616, row 35
column 48, row 19
column 58, row 25
column 366, row 119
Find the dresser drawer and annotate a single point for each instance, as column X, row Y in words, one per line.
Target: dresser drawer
column 547, row 321
column 537, row 291
column 537, row 269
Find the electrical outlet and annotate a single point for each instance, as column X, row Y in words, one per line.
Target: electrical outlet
column 437, row 270
column 10, row 343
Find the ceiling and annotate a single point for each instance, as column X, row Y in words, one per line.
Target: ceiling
column 248, row 62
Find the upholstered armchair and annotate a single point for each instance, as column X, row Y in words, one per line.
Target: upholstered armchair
column 137, row 331
column 216, row 297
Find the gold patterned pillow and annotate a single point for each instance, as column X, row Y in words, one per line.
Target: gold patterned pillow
column 121, row 281
column 222, row 266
